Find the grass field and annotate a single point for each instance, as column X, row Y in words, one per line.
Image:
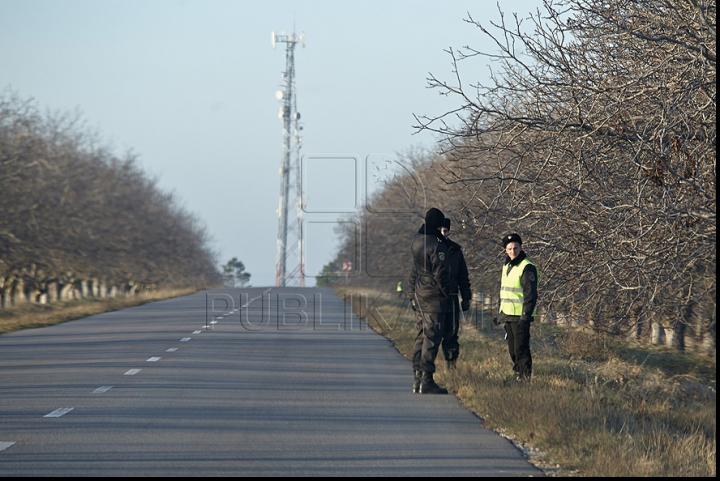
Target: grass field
column 596, row 406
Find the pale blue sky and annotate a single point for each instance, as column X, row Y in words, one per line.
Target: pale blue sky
column 189, row 85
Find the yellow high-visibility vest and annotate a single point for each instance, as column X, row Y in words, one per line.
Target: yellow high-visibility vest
column 511, row 291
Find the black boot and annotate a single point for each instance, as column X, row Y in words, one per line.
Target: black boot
column 428, row 386
column 451, row 364
column 416, row 383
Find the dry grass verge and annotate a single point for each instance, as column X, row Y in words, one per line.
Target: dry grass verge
column 29, row 316
column 595, row 407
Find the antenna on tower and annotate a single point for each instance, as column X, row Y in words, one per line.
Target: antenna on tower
column 289, row 242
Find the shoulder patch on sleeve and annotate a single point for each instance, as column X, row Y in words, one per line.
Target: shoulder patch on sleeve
column 441, row 256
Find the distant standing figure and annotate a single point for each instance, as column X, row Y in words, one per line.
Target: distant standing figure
column 399, row 289
column 518, row 298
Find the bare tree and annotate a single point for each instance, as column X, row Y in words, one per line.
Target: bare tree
column 596, row 139
column 77, row 220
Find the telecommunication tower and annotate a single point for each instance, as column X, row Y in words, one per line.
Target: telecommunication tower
column 289, row 265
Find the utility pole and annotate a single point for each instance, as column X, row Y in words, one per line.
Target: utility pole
column 289, row 241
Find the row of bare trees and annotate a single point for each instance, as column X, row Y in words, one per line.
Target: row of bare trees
column 595, row 140
column 77, row 220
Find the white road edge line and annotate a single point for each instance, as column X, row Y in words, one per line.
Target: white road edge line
column 102, row 389
column 154, row 359
column 185, row 339
column 132, row 372
column 172, row 349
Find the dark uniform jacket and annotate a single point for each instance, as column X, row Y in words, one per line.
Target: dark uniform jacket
column 459, row 279
column 458, row 272
column 528, row 281
column 429, row 281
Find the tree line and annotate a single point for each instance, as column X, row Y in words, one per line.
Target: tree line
column 595, row 139
column 78, row 220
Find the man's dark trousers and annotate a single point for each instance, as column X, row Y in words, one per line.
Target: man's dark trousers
column 451, row 327
column 518, row 338
column 427, row 341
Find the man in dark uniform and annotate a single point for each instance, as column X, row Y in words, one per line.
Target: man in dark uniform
column 518, row 298
column 459, row 286
column 429, row 290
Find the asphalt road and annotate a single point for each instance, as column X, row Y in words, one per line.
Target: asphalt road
column 277, row 382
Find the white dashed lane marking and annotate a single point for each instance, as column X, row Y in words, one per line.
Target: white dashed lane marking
column 5, row 444
column 62, row 411
column 58, row 412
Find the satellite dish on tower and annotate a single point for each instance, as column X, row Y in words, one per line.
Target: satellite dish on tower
column 279, row 95
column 272, row 39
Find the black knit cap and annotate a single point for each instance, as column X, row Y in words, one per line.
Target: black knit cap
column 434, row 218
column 446, row 223
column 511, row 238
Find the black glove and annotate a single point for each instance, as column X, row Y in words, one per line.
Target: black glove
column 465, row 305
column 413, row 304
column 495, row 321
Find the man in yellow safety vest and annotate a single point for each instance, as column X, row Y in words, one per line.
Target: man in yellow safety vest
column 518, row 297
